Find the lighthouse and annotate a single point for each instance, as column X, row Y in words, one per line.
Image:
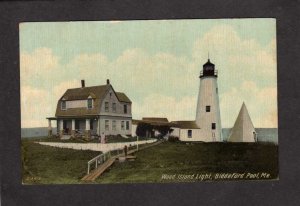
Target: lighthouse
column 208, row 117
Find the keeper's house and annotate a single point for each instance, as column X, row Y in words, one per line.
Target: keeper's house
column 91, row 111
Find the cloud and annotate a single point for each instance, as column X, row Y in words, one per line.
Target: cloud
column 157, row 105
column 40, row 61
column 261, row 104
column 161, row 84
column 237, row 59
column 59, row 89
column 37, row 104
column 34, row 105
column 139, row 72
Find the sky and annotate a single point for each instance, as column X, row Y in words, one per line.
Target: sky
column 155, row 62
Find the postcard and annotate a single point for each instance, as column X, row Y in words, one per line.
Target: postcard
column 149, row 101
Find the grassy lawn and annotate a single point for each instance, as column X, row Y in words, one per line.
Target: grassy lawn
column 181, row 159
column 50, row 165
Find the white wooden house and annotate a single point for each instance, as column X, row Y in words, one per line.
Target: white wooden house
column 91, row 111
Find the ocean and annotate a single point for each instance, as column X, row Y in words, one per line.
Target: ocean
column 263, row 134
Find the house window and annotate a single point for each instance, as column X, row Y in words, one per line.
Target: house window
column 127, row 125
column 122, row 125
column 189, row 133
column 114, row 126
column 213, row 125
column 90, row 103
column 63, row 105
column 114, row 107
column 125, row 109
column 207, row 109
column 106, row 125
column 106, row 106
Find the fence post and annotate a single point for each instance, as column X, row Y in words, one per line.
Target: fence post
column 96, row 165
column 88, row 172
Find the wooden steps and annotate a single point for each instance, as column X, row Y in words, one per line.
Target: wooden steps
column 101, row 168
column 97, row 172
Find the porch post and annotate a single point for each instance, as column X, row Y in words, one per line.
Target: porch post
column 87, row 129
column 49, row 128
column 98, row 126
column 61, row 127
column 73, row 128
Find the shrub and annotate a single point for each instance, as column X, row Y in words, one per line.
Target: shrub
column 173, row 139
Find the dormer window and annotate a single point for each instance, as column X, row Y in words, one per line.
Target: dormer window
column 90, row 103
column 63, row 105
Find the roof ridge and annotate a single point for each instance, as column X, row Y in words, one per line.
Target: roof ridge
column 89, row 87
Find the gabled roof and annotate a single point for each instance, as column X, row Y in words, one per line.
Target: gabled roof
column 186, row 124
column 243, row 129
column 122, row 97
column 156, row 119
column 82, row 93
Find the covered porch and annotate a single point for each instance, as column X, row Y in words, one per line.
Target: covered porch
column 75, row 127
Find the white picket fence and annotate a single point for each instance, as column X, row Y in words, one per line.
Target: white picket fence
column 96, row 146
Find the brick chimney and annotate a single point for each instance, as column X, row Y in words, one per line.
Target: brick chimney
column 82, row 83
column 107, row 81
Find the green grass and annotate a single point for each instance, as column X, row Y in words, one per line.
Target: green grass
column 179, row 158
column 49, row 165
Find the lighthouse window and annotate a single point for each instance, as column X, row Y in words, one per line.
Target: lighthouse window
column 207, row 109
column 213, row 125
column 189, row 133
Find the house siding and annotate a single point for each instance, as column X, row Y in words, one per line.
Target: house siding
column 76, row 104
column 77, row 109
column 119, row 105
column 118, row 130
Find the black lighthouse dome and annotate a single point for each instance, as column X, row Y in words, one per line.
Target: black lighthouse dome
column 208, row 70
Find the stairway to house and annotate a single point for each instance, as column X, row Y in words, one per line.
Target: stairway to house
column 103, row 167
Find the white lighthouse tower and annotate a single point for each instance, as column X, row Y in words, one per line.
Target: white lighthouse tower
column 208, row 110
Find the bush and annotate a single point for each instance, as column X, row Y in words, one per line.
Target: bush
column 173, row 139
